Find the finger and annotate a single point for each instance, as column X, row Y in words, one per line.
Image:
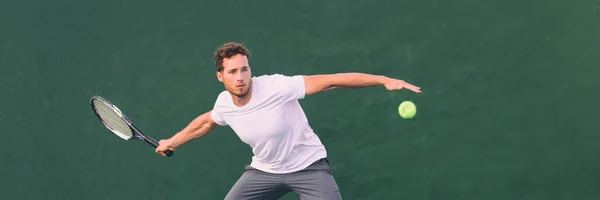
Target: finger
column 159, row 151
column 162, row 153
column 414, row 89
column 414, row 86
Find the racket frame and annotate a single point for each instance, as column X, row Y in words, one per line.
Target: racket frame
column 136, row 132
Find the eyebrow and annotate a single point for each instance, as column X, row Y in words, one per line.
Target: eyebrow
column 244, row 67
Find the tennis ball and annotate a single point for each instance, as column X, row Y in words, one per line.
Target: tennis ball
column 407, row 109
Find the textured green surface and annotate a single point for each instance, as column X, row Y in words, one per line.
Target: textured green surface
column 509, row 108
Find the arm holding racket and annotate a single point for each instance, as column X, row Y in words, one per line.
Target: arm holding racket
column 198, row 128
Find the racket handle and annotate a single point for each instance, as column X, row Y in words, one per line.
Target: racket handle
column 154, row 143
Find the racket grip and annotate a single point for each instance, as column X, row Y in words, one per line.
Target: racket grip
column 169, row 153
column 154, row 143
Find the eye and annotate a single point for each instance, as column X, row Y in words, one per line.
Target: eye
column 245, row 69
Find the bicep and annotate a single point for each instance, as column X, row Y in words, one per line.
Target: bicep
column 210, row 123
column 202, row 125
column 317, row 83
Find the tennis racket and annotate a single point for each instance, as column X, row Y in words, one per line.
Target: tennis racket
column 118, row 123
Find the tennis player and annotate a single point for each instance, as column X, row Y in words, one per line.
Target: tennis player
column 265, row 114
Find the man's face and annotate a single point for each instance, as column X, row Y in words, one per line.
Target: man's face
column 236, row 75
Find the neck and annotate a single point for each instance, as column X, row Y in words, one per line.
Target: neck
column 242, row 100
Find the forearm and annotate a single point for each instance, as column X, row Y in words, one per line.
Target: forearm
column 199, row 127
column 353, row 80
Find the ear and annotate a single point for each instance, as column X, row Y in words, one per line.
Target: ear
column 220, row 76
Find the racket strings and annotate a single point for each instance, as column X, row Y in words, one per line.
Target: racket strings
column 112, row 120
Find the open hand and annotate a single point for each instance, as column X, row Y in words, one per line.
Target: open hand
column 395, row 84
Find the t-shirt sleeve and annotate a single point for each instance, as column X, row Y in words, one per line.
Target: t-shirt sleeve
column 290, row 87
column 217, row 119
column 214, row 114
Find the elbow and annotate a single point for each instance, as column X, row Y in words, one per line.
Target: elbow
column 331, row 87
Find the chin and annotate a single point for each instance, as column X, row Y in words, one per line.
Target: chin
column 238, row 93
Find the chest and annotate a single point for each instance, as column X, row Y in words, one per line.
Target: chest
column 269, row 122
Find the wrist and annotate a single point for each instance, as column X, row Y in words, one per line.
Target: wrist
column 171, row 142
column 382, row 80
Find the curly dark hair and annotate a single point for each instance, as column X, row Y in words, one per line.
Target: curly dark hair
column 229, row 50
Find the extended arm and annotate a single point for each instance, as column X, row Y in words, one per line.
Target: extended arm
column 199, row 127
column 320, row 83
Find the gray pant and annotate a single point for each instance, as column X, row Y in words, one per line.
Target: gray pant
column 315, row 182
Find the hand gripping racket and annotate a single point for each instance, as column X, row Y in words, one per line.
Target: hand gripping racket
column 118, row 123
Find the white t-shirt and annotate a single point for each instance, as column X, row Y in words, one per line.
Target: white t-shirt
column 273, row 124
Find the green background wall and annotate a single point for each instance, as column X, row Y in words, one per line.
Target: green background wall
column 509, row 108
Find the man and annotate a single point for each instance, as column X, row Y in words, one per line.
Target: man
column 265, row 113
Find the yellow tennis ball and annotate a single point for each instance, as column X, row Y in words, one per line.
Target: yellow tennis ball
column 407, row 109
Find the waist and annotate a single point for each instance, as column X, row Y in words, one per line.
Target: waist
column 295, row 163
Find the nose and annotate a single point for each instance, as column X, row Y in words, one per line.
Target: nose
column 239, row 77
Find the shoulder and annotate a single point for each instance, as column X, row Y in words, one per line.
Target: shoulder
column 269, row 77
column 222, row 99
column 223, row 95
column 278, row 79
column 286, row 87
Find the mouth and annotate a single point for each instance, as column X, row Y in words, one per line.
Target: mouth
column 240, row 86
